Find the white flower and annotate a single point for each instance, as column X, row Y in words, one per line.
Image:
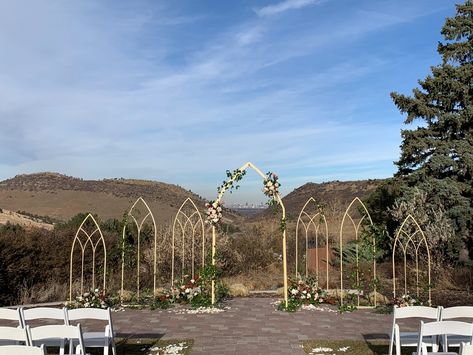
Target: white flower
column 188, row 290
column 304, row 291
column 269, row 183
column 294, row 291
column 214, row 205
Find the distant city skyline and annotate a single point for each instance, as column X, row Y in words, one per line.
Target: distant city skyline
column 181, row 91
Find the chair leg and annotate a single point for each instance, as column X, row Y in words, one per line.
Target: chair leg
column 398, row 343
column 105, row 349
column 391, row 343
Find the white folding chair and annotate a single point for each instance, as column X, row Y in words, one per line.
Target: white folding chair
column 13, row 336
column 440, row 328
column 58, row 334
column 400, row 339
column 22, row 350
column 12, row 315
column 466, row 349
column 96, row 339
column 41, row 313
column 463, row 313
column 40, row 316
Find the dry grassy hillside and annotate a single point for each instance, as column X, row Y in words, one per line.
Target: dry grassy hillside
column 23, row 220
column 334, row 196
column 61, row 197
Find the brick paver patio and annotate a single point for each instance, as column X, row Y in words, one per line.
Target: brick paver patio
column 251, row 326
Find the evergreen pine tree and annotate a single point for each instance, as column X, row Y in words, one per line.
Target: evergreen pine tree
column 437, row 156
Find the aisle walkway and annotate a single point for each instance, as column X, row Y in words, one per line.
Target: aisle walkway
column 251, row 326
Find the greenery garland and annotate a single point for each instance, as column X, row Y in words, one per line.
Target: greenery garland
column 270, row 188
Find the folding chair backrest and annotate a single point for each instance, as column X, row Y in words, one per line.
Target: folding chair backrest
column 30, row 314
column 442, row 328
column 12, row 335
column 416, row 312
column 60, row 332
column 466, row 349
column 21, row 350
column 456, row 312
column 450, row 327
column 11, row 315
column 92, row 314
column 88, row 313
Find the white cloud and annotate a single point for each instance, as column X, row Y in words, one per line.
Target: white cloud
column 283, row 6
column 94, row 91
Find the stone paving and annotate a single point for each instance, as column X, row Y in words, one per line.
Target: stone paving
column 252, row 326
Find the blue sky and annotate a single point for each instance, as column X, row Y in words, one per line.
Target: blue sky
column 180, row 91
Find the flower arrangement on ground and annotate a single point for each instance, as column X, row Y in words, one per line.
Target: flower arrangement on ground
column 213, row 212
column 91, row 299
column 304, row 292
column 197, row 290
column 188, row 290
column 271, row 185
column 407, row 300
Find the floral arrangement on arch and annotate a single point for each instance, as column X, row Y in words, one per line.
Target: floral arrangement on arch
column 91, row 299
column 407, row 300
column 271, row 185
column 213, row 212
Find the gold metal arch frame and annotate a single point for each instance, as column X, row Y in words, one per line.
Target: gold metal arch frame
column 139, row 203
column 89, row 240
column 187, row 224
column 277, row 197
column 317, row 222
column 416, row 239
column 357, row 228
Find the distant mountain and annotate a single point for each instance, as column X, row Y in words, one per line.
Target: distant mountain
column 335, row 196
column 61, row 197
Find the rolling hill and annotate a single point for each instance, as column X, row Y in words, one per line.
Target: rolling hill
column 334, row 195
column 61, row 197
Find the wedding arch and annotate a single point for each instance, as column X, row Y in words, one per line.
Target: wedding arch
column 188, row 224
column 88, row 238
column 410, row 238
column 270, row 188
column 312, row 220
column 139, row 213
column 356, row 218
